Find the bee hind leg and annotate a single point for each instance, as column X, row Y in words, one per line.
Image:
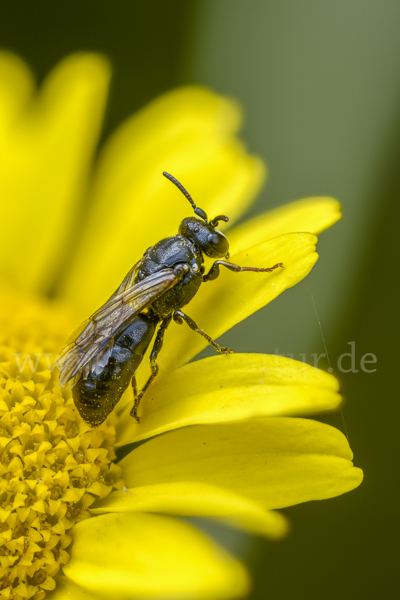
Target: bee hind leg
column 153, row 366
column 136, row 400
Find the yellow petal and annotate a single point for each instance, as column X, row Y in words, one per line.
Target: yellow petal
column 125, row 555
column 310, row 214
column 195, row 500
column 230, row 388
column 16, row 87
column 222, row 303
column 68, row 590
column 275, row 462
column 190, row 133
column 45, row 158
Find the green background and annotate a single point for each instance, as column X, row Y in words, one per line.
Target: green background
column 320, row 87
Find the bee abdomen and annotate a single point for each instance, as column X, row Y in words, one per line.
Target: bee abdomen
column 96, row 394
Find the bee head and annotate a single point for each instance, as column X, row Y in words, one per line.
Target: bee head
column 201, row 231
column 211, row 241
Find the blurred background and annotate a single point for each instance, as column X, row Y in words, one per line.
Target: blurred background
column 319, row 83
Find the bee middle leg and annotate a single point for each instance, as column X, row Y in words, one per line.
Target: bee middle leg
column 153, row 366
column 180, row 316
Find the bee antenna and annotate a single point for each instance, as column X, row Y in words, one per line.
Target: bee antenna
column 216, row 220
column 198, row 211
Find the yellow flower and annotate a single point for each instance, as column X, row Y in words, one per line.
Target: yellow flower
column 71, row 519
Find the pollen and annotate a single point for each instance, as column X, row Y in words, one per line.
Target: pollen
column 53, row 466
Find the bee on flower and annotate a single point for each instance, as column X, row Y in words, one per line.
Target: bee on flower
column 73, row 519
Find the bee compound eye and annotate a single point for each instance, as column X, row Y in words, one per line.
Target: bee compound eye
column 213, row 239
column 196, row 229
column 218, row 243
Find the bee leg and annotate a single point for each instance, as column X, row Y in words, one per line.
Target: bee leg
column 153, row 366
column 180, row 316
column 214, row 271
column 134, row 387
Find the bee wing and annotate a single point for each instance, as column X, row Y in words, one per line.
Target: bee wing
column 127, row 282
column 70, row 343
column 95, row 334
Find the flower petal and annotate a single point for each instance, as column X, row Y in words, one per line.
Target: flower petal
column 45, row 158
column 189, row 132
column 275, row 462
column 195, row 500
column 310, row 214
column 68, row 590
column 16, row 87
column 127, row 554
column 222, row 303
column 230, row 388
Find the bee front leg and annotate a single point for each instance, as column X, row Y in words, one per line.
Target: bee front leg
column 153, row 366
column 180, row 316
column 214, row 271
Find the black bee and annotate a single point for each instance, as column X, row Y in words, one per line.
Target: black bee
column 100, row 360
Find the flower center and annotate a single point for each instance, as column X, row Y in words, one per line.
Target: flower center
column 52, row 465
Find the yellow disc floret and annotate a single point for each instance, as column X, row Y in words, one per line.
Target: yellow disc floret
column 52, row 465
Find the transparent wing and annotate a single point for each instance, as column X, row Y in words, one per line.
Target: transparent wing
column 95, row 334
column 127, row 282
